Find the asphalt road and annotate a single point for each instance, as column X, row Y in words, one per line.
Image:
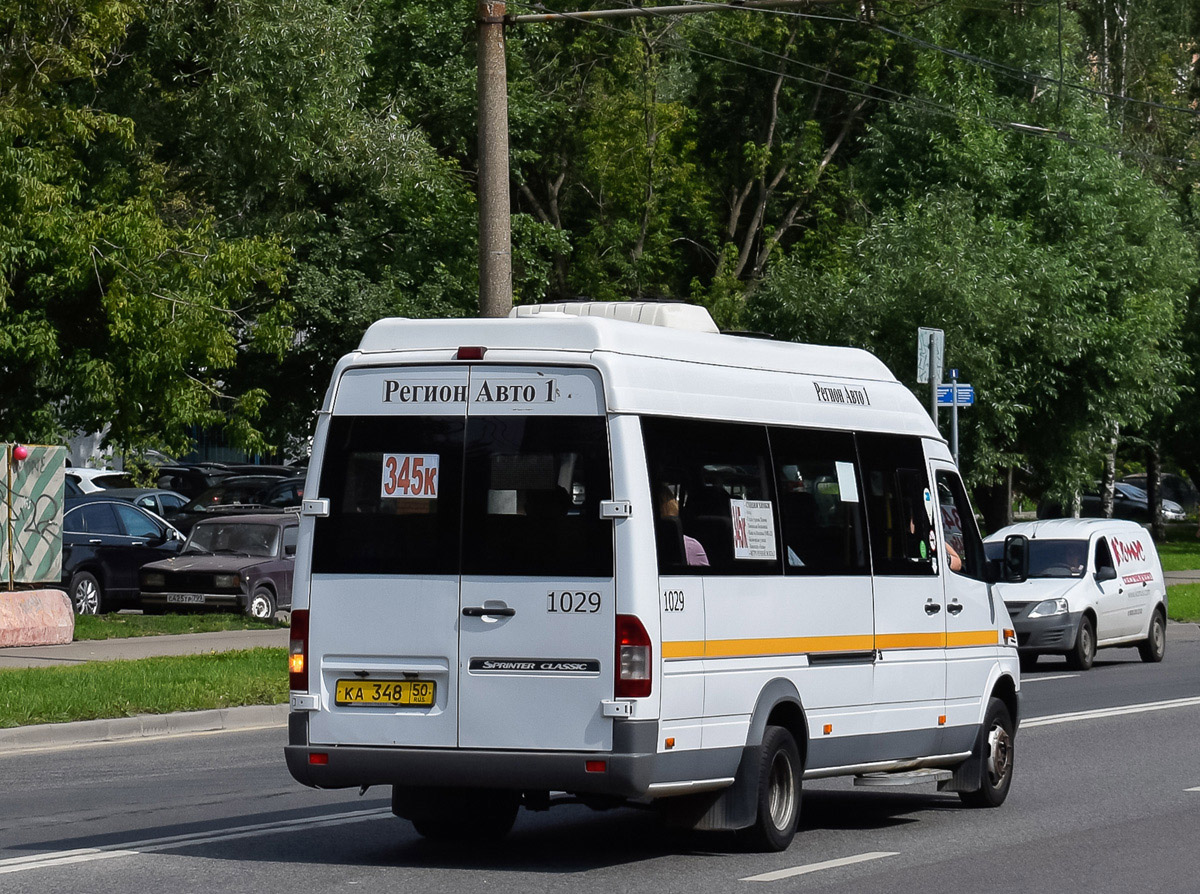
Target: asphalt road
column 1106, row 798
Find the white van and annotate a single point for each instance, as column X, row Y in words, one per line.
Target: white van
column 1092, row 583
column 604, row 550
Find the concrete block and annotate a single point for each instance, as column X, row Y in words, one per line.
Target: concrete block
column 36, row 618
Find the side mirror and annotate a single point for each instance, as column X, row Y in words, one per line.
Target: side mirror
column 290, row 549
column 1105, row 572
column 1014, row 567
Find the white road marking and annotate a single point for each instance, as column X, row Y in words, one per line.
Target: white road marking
column 1196, row 789
column 1111, row 712
column 130, row 849
column 817, row 867
column 1025, row 680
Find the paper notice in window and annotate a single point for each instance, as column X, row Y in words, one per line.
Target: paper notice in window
column 753, row 529
column 846, row 483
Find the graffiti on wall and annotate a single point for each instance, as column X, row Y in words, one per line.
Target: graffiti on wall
column 31, row 513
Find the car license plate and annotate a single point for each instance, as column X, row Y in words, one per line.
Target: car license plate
column 188, row 598
column 385, row 693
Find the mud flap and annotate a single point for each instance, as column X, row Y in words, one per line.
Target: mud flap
column 729, row 809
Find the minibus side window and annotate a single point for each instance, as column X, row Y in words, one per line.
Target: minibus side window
column 958, row 528
column 532, row 496
column 714, row 499
column 820, row 503
column 899, row 504
column 394, row 488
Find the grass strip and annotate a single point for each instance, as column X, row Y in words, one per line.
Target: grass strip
column 119, row 626
column 105, row 689
column 1183, row 603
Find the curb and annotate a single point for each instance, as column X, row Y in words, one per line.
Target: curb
column 144, row 726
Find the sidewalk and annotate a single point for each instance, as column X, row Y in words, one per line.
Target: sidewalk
column 142, row 647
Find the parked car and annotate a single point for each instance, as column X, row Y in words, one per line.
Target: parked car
column 1174, row 487
column 239, row 563
column 233, row 495
column 93, row 481
column 164, row 503
column 288, row 493
column 1092, row 583
column 190, row 480
column 105, row 542
column 1129, row 502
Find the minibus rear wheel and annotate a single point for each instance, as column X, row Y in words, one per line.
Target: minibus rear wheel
column 779, row 791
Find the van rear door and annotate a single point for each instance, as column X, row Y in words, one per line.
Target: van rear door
column 462, row 583
column 536, row 632
column 384, row 594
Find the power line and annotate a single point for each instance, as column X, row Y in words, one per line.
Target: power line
column 900, row 97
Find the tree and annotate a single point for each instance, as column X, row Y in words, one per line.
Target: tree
column 120, row 304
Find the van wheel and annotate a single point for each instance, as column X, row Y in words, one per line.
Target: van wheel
column 1081, row 657
column 87, row 598
column 261, row 605
column 457, row 814
column 994, row 749
column 779, row 793
column 1155, row 646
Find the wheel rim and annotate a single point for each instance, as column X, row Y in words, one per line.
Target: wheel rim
column 260, row 607
column 87, row 597
column 782, row 793
column 1089, row 646
column 1000, row 755
column 1160, row 634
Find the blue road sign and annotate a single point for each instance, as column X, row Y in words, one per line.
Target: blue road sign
column 966, row 395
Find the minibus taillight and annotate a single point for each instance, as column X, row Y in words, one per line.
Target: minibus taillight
column 633, row 672
column 298, row 652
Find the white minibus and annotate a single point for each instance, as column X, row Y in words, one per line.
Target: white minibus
column 605, row 553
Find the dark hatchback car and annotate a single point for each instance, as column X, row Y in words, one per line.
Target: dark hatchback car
column 230, row 563
column 105, row 542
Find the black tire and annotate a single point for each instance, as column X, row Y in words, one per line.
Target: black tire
column 1084, row 653
column 87, row 596
column 1155, row 645
column 261, row 606
column 457, row 814
column 994, row 751
column 1028, row 661
column 779, row 792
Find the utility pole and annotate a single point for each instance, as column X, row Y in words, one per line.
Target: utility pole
column 495, row 221
column 495, row 218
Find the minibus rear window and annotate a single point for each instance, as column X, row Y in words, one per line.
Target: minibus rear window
column 532, row 497
column 394, row 486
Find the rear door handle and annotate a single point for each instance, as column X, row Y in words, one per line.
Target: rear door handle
column 954, row 607
column 932, row 608
column 480, row 611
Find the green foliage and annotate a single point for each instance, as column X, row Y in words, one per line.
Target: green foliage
column 119, row 303
column 102, row 689
column 120, row 625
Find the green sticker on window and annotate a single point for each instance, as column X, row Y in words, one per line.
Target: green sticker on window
column 924, row 553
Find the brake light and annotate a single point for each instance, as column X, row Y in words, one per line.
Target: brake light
column 634, row 674
column 470, row 352
column 298, row 652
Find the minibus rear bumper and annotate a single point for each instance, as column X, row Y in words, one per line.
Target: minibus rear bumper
column 626, row 771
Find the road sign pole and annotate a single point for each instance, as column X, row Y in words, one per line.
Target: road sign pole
column 954, row 414
column 933, row 379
